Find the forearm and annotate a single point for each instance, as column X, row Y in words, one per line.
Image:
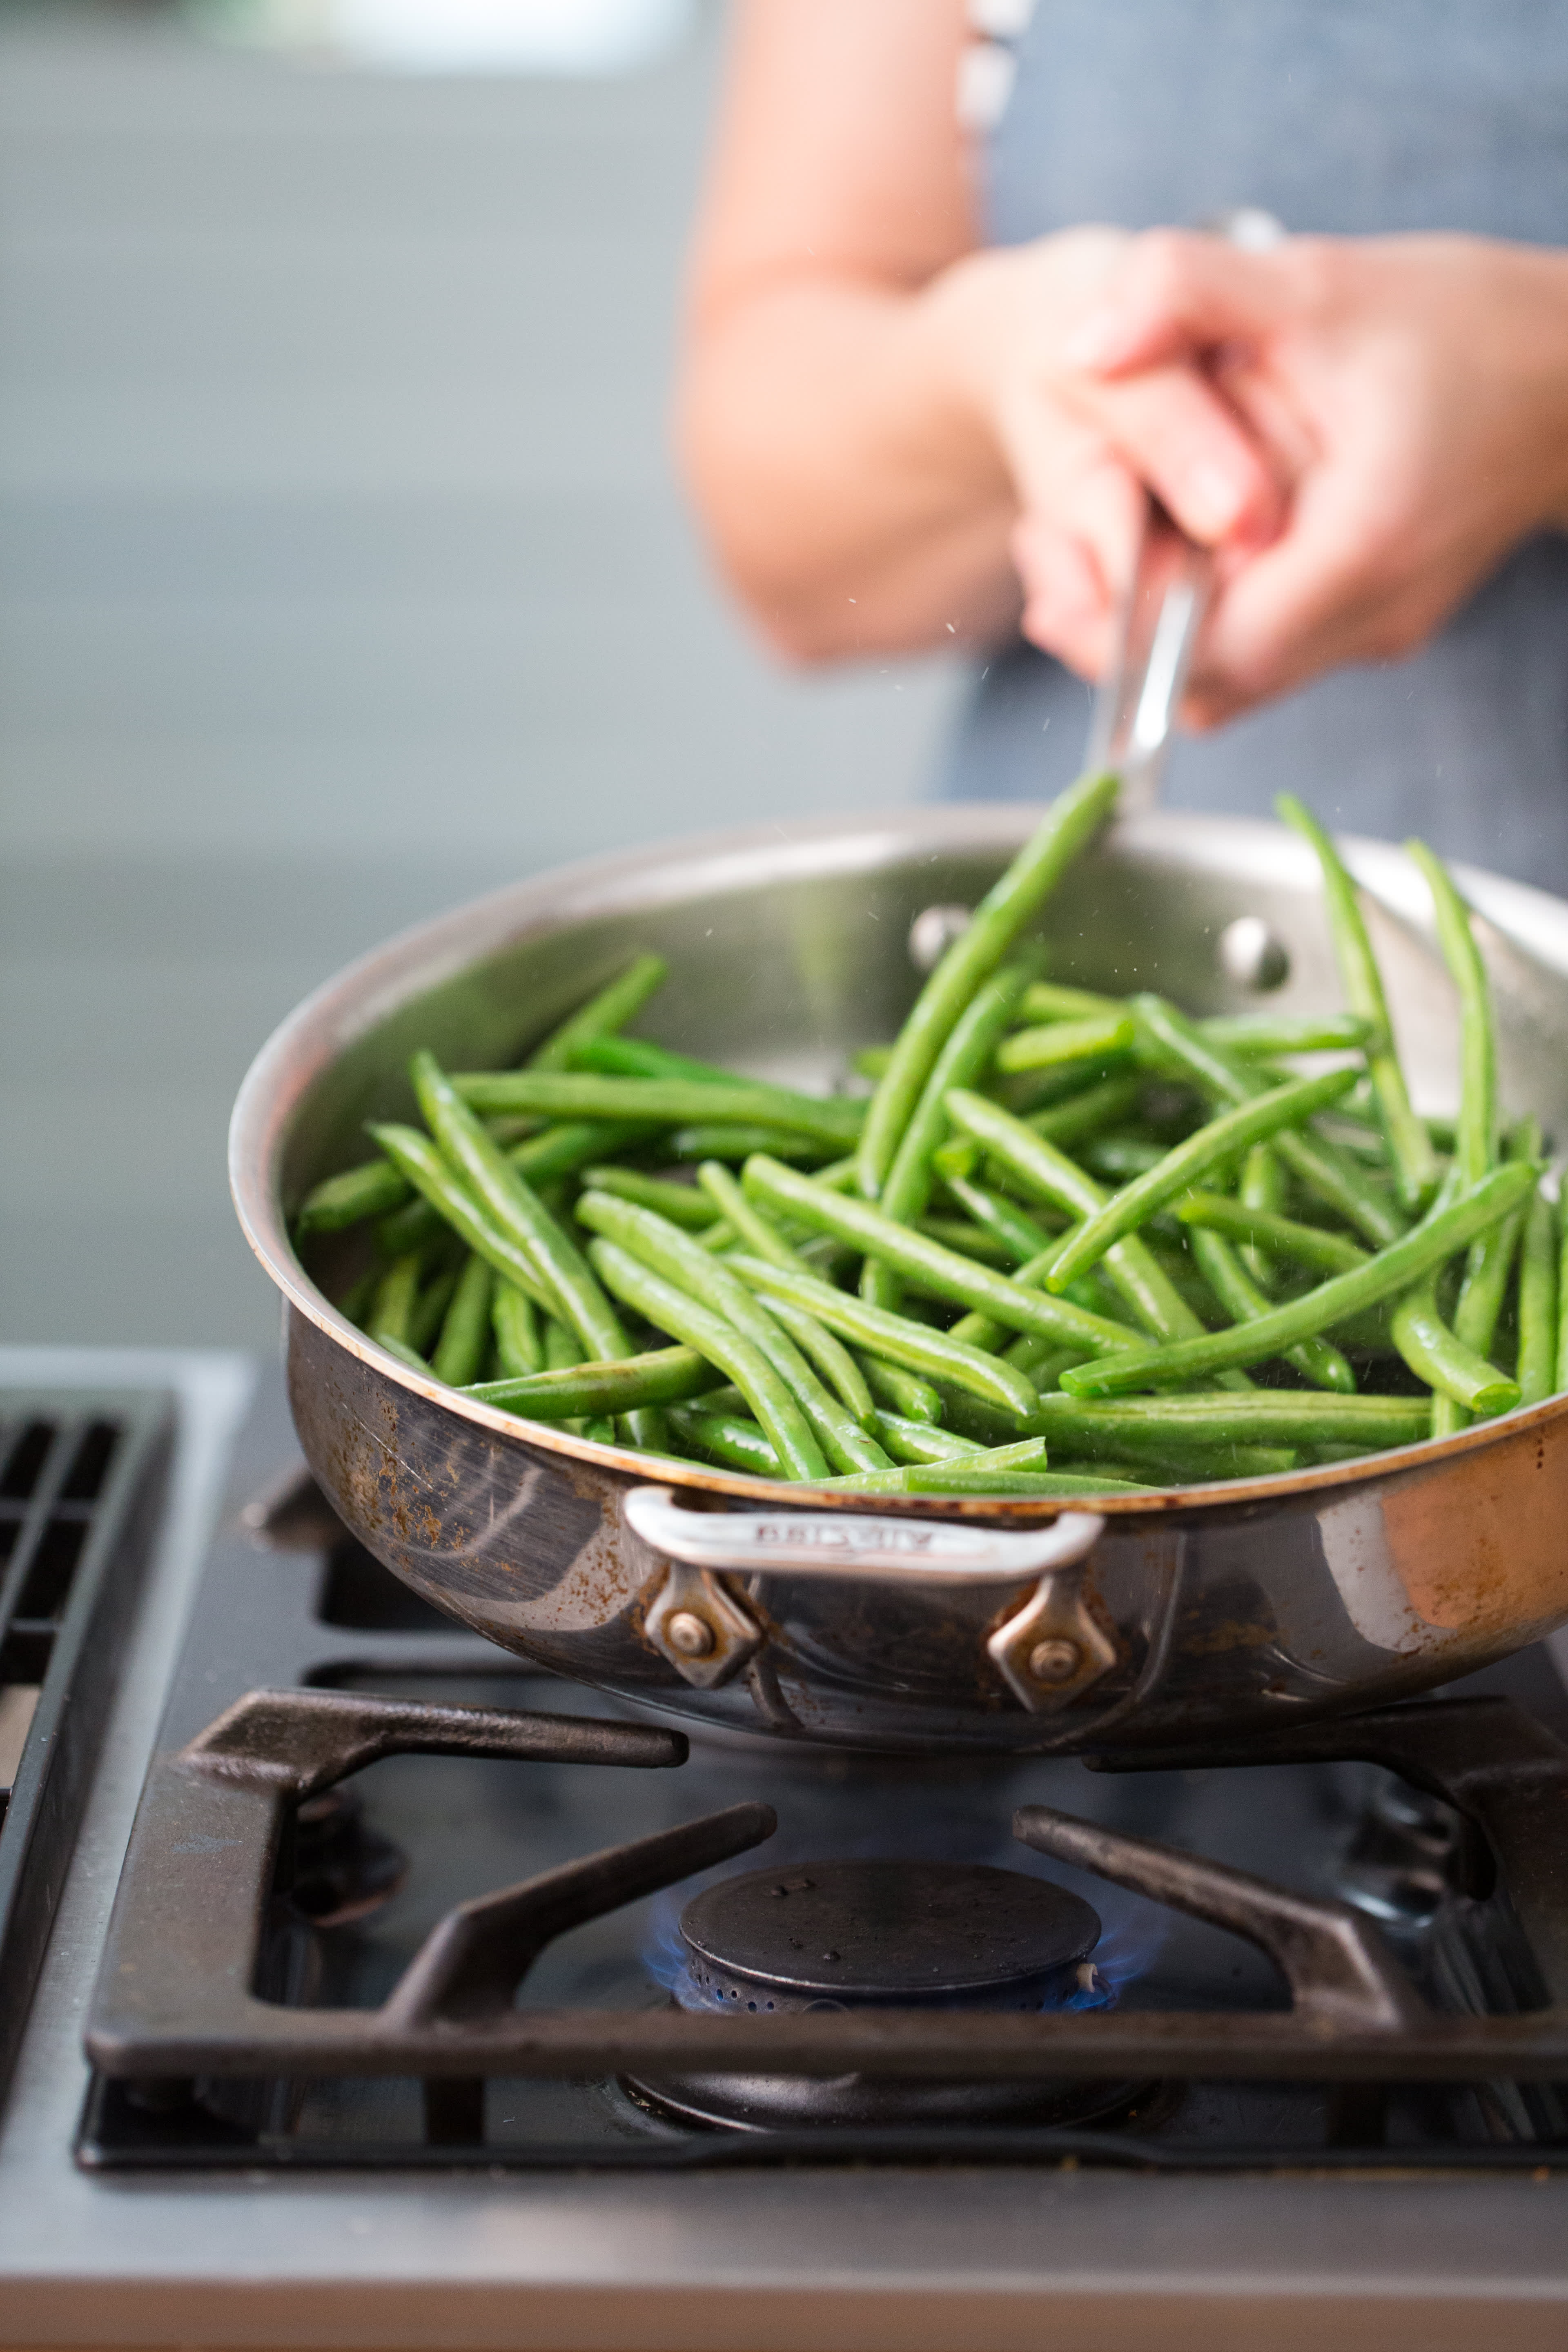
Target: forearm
column 846, row 467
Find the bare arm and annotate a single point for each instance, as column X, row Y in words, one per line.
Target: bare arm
column 868, row 403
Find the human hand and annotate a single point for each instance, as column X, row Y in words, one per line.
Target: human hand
column 1082, row 449
column 1412, row 390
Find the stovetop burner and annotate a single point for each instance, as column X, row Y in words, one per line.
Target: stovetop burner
column 837, row 1934
column 865, row 1935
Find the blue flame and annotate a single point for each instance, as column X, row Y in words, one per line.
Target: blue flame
column 1130, row 1939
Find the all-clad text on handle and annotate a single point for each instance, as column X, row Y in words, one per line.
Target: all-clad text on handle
column 824, row 1543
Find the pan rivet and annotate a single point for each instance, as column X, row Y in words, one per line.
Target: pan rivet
column 1054, row 1662
column 693, row 1636
column 1253, row 955
column 933, row 931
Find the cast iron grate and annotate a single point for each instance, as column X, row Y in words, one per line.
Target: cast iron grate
column 204, row 2045
column 80, row 1474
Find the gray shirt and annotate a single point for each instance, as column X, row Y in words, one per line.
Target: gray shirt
column 1344, row 116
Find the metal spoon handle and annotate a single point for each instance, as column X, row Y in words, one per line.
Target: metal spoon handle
column 1173, row 583
column 1136, row 702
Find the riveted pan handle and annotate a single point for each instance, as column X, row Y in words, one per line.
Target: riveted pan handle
column 829, row 1543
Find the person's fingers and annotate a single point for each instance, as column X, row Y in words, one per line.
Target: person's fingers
column 1068, row 606
column 1178, row 434
column 1178, row 293
column 1323, row 594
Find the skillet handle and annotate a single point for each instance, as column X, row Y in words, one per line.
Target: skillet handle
column 1048, row 1649
column 831, row 1543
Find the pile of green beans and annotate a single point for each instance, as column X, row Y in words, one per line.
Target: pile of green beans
column 1070, row 1244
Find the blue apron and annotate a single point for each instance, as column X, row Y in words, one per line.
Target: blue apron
column 1348, row 118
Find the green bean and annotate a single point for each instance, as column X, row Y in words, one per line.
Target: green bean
column 1070, row 823
column 1262, row 1186
column 1317, row 1360
column 430, row 1311
column 1179, row 1171
column 894, row 1339
column 392, row 1309
column 1119, row 1157
column 1173, row 1039
column 1410, row 1147
column 354, row 1304
column 674, row 1255
column 1537, row 1367
column 404, row 1352
column 905, row 1392
column 1268, row 1417
column 663, row 1376
column 1489, row 1262
column 1018, row 1232
column 635, row 1058
column 1002, row 1470
column 1489, row 1265
column 417, row 1159
column 414, row 1226
column 1167, row 1457
column 673, row 1102
column 569, row 1144
column 516, row 1208
column 939, row 1270
column 683, row 1204
column 980, row 1331
column 724, row 1437
column 1309, row 1245
column 563, row 1347
column 1048, row 999
column 757, row 1233
column 1112, row 1098
column 972, row 1478
column 466, row 1333
column 1476, row 1138
column 969, row 1240
column 1028, row 1454
column 1435, row 1355
column 831, row 1358
column 687, row 1319
column 514, row 1321
column 1034, row 1162
column 1284, row 1032
column 917, row 1440
column 1037, row 1357
column 553, row 1151
column 964, row 1053
column 737, row 1142
column 1391, row 1272
column 368, row 1191
column 870, row 1061
column 1064, row 1041
column 614, row 1006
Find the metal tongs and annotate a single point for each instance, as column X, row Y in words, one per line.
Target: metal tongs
column 1173, row 583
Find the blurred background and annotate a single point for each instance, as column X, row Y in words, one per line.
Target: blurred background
column 343, row 571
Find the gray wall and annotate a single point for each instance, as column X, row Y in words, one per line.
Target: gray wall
column 343, row 575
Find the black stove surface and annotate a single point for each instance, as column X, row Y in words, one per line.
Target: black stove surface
column 370, row 1869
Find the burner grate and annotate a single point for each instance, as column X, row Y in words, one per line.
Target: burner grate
column 180, row 2027
column 81, row 1474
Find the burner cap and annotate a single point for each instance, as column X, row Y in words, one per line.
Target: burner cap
column 884, row 1931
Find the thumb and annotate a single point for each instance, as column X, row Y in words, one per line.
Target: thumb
column 1178, row 294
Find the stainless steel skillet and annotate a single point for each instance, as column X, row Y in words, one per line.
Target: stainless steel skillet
column 998, row 1626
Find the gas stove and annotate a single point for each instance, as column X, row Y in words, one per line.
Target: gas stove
column 399, row 1992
